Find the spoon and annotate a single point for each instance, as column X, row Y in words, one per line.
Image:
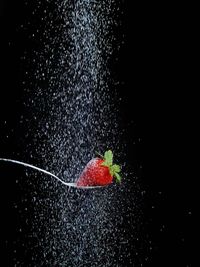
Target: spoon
column 48, row 173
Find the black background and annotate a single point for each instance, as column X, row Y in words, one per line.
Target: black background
column 154, row 70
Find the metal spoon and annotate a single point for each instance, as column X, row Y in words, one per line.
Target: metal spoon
column 48, row 173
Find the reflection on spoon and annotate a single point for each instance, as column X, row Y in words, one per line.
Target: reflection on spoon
column 48, row 173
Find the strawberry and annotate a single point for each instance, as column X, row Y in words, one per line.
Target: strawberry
column 100, row 171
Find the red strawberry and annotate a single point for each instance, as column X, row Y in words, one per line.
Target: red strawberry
column 100, row 171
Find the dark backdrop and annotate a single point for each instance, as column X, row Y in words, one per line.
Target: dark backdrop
column 152, row 67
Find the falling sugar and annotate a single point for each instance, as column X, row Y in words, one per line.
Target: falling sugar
column 70, row 113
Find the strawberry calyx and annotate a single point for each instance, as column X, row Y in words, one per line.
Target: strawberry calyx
column 114, row 169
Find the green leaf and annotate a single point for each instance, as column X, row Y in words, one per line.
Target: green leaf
column 116, row 168
column 118, row 177
column 108, row 157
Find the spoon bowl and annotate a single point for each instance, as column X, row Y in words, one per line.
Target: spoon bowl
column 83, row 187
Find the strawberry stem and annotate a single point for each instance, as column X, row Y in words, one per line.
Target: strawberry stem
column 99, row 154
